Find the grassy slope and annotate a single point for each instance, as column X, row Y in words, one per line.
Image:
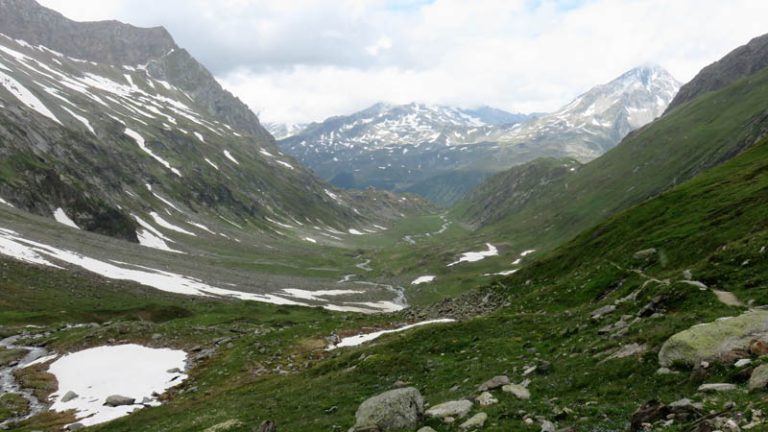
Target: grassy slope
column 683, row 143
column 724, row 207
column 714, row 225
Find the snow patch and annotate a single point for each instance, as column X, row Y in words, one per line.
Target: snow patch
column 423, row 279
column 317, row 295
column 165, row 224
column 212, row 164
column 131, row 370
column 25, row 96
column 476, row 256
column 142, row 145
column 230, row 157
column 62, row 218
column 358, row 340
column 10, row 247
column 80, row 118
column 150, row 240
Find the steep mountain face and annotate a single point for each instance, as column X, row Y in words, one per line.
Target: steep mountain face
column 116, row 44
column 597, row 120
column 118, row 130
column 414, row 146
column 739, row 63
column 109, row 42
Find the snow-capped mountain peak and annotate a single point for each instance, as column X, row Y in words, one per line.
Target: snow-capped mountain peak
column 598, row 119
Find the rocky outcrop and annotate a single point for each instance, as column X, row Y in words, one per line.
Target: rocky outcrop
column 712, row 341
column 109, row 42
column 183, row 71
column 739, row 63
column 392, row 410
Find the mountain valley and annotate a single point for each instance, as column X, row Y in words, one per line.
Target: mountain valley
column 170, row 263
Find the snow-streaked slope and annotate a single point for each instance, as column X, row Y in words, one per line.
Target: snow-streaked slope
column 442, row 152
column 598, row 119
column 123, row 125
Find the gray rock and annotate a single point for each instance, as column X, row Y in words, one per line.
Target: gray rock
column 712, row 341
column 603, row 311
column 117, row 400
column 716, row 387
column 477, row 421
column 687, row 275
column 685, row 403
column 645, row 254
column 426, row 429
column 627, row 351
column 517, row 390
column 395, row 409
column 69, row 396
column 759, row 378
column 458, row 408
column 486, row 399
column 548, row 426
column 75, row 427
column 494, row 383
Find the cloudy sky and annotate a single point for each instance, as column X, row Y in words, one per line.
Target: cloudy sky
column 305, row 60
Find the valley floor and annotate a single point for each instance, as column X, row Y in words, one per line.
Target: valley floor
column 583, row 328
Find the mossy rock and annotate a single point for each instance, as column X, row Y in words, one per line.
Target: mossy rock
column 709, row 341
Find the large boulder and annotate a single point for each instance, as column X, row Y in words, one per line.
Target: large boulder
column 395, row 409
column 712, row 341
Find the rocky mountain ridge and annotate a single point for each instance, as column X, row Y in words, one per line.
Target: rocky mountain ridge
column 739, row 63
column 413, row 147
column 175, row 142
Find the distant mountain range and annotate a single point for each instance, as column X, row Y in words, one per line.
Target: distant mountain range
column 409, row 147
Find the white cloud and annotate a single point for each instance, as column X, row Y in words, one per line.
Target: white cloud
column 302, row 60
column 384, row 43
